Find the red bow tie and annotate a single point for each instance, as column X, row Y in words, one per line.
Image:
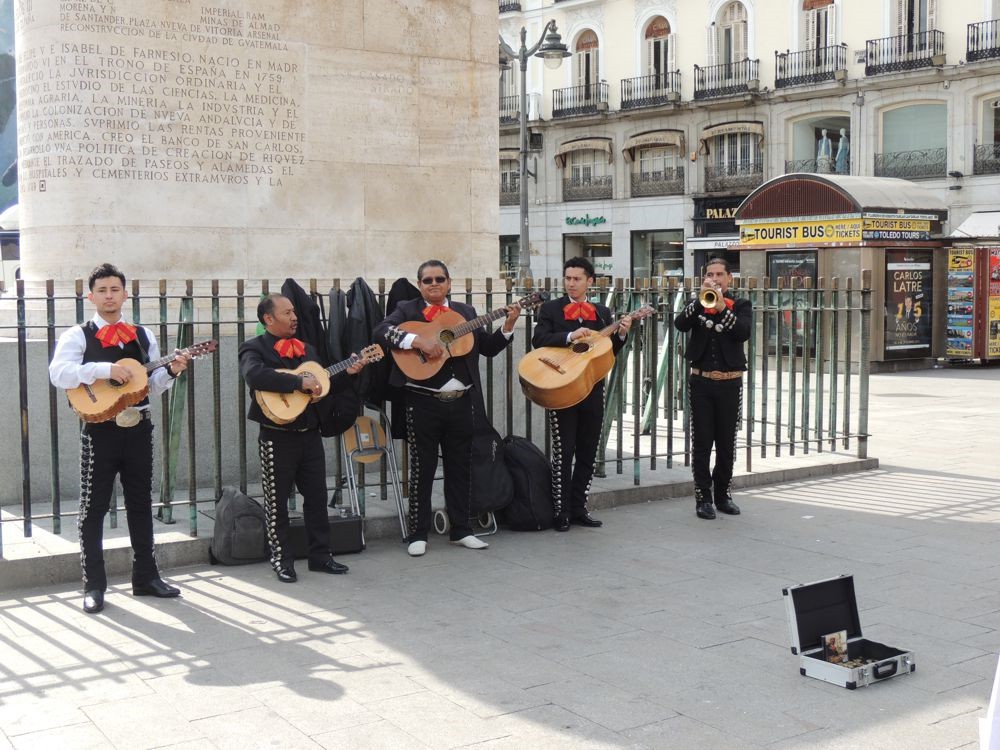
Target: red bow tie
column 289, row 348
column 729, row 304
column 580, row 311
column 115, row 334
column 432, row 311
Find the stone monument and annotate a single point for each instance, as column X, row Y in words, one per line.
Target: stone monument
column 257, row 138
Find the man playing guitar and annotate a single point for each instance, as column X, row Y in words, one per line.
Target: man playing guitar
column 576, row 431
column 84, row 355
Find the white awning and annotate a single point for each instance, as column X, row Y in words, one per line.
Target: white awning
column 980, row 224
column 584, row 144
column 673, row 138
column 726, row 128
column 510, row 154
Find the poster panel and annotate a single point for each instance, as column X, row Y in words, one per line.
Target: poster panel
column 908, row 304
column 961, row 304
column 993, row 309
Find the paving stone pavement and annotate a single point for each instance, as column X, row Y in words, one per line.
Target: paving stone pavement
column 658, row 631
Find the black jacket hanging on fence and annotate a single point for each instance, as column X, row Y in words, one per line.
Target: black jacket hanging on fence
column 720, row 336
column 363, row 316
column 400, row 291
column 307, row 311
column 336, row 325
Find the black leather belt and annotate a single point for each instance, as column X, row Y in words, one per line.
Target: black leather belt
column 717, row 374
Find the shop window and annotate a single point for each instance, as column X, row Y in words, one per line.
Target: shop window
column 811, row 153
column 658, row 253
column 595, row 247
column 509, row 255
column 914, row 142
column 987, row 155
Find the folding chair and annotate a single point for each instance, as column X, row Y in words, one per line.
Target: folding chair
column 365, row 442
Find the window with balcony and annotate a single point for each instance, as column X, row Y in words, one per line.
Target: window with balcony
column 510, row 185
column 735, row 159
column 587, row 176
column 914, row 142
column 729, row 36
column 657, row 170
column 917, row 43
column 819, row 55
column 987, row 151
column 821, row 145
column 510, row 101
column 983, row 38
column 659, row 78
column 729, row 70
column 588, row 94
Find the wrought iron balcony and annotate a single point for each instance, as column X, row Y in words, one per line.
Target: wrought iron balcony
column 893, row 54
column 920, row 164
column 510, row 110
column 728, row 79
column 745, row 175
column 588, row 189
column 651, row 91
column 982, row 41
column 800, row 165
column 510, row 192
column 809, row 66
column 580, row 100
column 664, row 182
column 509, row 5
column 986, row 159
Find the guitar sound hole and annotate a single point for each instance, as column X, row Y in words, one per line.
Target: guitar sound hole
column 446, row 337
column 579, row 347
column 115, row 383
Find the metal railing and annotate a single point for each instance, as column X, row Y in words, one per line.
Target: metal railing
column 509, row 5
column 663, row 182
column 727, row 79
column 742, row 176
column 982, row 41
column 510, row 109
column 986, row 158
column 586, row 99
column 919, row 164
column 893, row 54
column 806, row 389
column 809, row 66
column 800, row 165
column 589, row 189
column 510, row 192
column 651, row 91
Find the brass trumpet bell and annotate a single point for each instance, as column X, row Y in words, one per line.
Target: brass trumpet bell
column 708, row 298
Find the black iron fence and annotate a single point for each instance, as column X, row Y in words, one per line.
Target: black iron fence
column 806, row 389
column 510, row 109
column 727, row 79
column 809, row 66
column 893, row 54
column 982, row 41
column 580, row 100
column 598, row 187
column 509, row 5
column 658, row 182
column 510, row 191
column 651, row 90
column 743, row 175
column 923, row 163
column 986, row 159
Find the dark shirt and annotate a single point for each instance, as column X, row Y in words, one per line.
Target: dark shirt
column 716, row 341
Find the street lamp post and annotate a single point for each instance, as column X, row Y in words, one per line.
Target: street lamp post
column 550, row 48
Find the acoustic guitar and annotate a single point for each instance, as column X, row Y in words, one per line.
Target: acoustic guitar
column 282, row 408
column 558, row 377
column 454, row 333
column 104, row 399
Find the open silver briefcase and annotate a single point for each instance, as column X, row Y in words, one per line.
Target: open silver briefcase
column 819, row 609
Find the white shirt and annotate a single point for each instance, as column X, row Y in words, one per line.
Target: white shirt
column 68, row 370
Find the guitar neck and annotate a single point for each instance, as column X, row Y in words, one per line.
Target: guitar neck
column 471, row 325
column 341, row 366
column 162, row 361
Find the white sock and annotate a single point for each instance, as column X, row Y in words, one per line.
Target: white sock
column 417, row 548
column 471, row 542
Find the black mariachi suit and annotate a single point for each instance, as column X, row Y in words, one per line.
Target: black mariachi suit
column 716, row 344
column 289, row 453
column 449, row 424
column 107, row 450
column 576, row 431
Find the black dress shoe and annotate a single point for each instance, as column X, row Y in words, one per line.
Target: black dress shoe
column 93, row 601
column 561, row 522
column 587, row 520
column 705, row 510
column 728, row 507
column 157, row 587
column 286, row 572
column 328, row 566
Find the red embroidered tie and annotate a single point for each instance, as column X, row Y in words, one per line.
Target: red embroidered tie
column 432, row 311
column 289, row 348
column 113, row 335
column 580, row 310
column 729, row 304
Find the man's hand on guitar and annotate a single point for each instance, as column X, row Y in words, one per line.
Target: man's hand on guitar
column 431, row 347
column 624, row 325
column 179, row 363
column 513, row 313
column 358, row 366
column 311, row 386
column 120, row 374
column 580, row 333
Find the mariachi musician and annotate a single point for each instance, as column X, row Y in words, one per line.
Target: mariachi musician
column 576, row 431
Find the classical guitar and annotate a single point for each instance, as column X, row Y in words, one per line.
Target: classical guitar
column 558, row 377
column 454, row 333
column 104, row 399
column 282, row 408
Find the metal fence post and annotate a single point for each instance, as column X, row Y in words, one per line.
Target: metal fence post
column 863, row 369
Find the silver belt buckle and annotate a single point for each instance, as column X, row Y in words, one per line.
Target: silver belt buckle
column 450, row 395
column 128, row 417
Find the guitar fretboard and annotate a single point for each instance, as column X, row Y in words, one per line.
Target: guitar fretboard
column 341, row 366
column 471, row 325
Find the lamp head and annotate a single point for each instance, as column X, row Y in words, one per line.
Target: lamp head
column 553, row 50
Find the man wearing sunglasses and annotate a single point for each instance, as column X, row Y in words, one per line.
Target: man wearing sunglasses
column 441, row 411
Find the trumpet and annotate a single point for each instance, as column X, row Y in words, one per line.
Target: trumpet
column 708, row 298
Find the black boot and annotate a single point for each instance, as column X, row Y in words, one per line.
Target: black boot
column 703, row 504
column 724, row 502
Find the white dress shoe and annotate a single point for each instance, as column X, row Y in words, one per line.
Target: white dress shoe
column 417, row 548
column 471, row 542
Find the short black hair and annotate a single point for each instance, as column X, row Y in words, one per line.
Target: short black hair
column 429, row 264
column 717, row 261
column 582, row 263
column 266, row 306
column 104, row 271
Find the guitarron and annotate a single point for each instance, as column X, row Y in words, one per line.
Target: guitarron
column 283, row 408
column 104, row 399
column 558, row 377
column 454, row 333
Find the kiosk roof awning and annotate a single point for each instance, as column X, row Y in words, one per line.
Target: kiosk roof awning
column 510, row 154
column 801, row 194
column 979, row 224
column 673, row 138
column 584, row 144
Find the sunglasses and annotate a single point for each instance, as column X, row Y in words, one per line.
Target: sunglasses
column 434, row 280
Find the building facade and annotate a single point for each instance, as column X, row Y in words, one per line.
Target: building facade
column 669, row 112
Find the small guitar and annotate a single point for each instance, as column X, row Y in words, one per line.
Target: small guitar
column 104, row 399
column 454, row 333
column 558, row 377
column 282, row 408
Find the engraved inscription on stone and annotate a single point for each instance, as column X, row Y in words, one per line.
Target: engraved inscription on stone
column 197, row 94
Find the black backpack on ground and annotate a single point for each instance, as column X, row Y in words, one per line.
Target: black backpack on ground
column 531, row 509
column 493, row 486
column 240, row 535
